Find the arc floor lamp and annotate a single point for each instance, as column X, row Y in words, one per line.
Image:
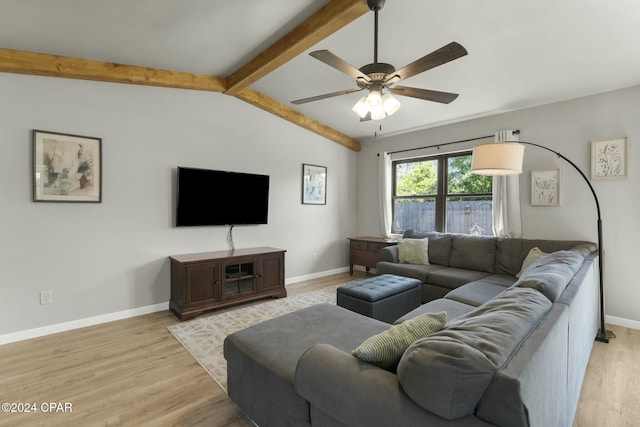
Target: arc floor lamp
column 505, row 158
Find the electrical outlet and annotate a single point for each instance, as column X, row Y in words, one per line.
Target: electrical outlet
column 46, row 297
column 314, row 257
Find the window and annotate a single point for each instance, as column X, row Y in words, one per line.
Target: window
column 439, row 193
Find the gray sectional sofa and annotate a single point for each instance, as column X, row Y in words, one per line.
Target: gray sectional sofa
column 513, row 351
column 458, row 259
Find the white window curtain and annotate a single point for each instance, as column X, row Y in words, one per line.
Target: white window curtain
column 507, row 221
column 384, row 195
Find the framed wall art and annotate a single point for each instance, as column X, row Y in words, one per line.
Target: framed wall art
column 314, row 185
column 66, row 168
column 609, row 157
column 545, row 187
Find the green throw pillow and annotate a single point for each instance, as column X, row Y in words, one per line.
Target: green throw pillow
column 414, row 251
column 386, row 349
column 533, row 255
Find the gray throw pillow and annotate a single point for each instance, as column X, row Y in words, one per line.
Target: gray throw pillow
column 386, row 348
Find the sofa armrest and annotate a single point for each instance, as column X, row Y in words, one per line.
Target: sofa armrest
column 357, row 393
column 389, row 254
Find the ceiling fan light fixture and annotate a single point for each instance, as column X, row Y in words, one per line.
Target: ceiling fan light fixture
column 390, row 104
column 377, row 113
column 361, row 108
column 380, row 77
column 374, row 98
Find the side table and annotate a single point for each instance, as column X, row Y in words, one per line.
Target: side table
column 365, row 251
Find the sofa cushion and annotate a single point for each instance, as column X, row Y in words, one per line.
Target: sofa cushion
column 473, row 252
column 413, row 251
column 511, row 252
column 448, row 372
column 475, row 293
column 454, row 309
column 585, row 248
column 452, row 278
column 500, row 279
column 386, row 348
column 551, row 274
column 416, row 271
column 439, row 245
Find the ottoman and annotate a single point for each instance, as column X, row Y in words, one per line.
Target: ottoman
column 386, row 297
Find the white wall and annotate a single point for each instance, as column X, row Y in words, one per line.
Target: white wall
column 567, row 127
column 111, row 257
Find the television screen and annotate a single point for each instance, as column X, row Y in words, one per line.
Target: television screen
column 212, row 197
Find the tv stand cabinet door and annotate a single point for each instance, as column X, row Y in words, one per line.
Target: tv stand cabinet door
column 240, row 278
column 202, row 284
column 272, row 274
column 195, row 287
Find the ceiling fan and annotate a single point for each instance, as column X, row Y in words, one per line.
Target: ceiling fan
column 381, row 78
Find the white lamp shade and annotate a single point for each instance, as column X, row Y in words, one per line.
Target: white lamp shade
column 377, row 112
column 390, row 104
column 500, row 158
column 374, row 98
column 361, row 108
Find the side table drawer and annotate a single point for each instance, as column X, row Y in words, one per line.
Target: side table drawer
column 357, row 245
column 376, row 247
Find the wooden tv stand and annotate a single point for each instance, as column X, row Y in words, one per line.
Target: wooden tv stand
column 208, row 280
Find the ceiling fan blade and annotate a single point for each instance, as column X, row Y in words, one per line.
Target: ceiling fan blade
column 438, row 57
column 426, row 94
column 325, row 96
column 339, row 64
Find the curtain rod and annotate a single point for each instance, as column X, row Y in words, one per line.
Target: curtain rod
column 440, row 145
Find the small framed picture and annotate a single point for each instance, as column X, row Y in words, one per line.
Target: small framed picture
column 66, row 168
column 314, row 185
column 609, row 157
column 545, row 187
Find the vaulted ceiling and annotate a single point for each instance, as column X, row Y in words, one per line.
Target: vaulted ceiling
column 522, row 53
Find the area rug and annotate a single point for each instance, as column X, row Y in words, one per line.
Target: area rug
column 203, row 337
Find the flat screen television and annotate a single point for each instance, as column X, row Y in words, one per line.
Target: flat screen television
column 213, row 197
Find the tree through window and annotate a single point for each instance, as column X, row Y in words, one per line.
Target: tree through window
column 440, row 193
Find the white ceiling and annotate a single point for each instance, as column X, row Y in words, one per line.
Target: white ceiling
column 522, row 53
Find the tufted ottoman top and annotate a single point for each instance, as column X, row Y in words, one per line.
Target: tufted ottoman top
column 379, row 287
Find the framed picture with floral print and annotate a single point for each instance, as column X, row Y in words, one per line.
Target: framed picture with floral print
column 609, row 157
column 545, row 187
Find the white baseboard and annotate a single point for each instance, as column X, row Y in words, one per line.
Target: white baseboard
column 292, row 280
column 619, row 321
column 110, row 317
column 80, row 323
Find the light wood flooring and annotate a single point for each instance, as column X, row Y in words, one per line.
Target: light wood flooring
column 134, row 373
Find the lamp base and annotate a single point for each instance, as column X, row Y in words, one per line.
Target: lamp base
column 604, row 335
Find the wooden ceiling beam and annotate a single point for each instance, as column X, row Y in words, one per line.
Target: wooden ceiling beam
column 272, row 106
column 326, row 21
column 39, row 64
column 333, row 16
